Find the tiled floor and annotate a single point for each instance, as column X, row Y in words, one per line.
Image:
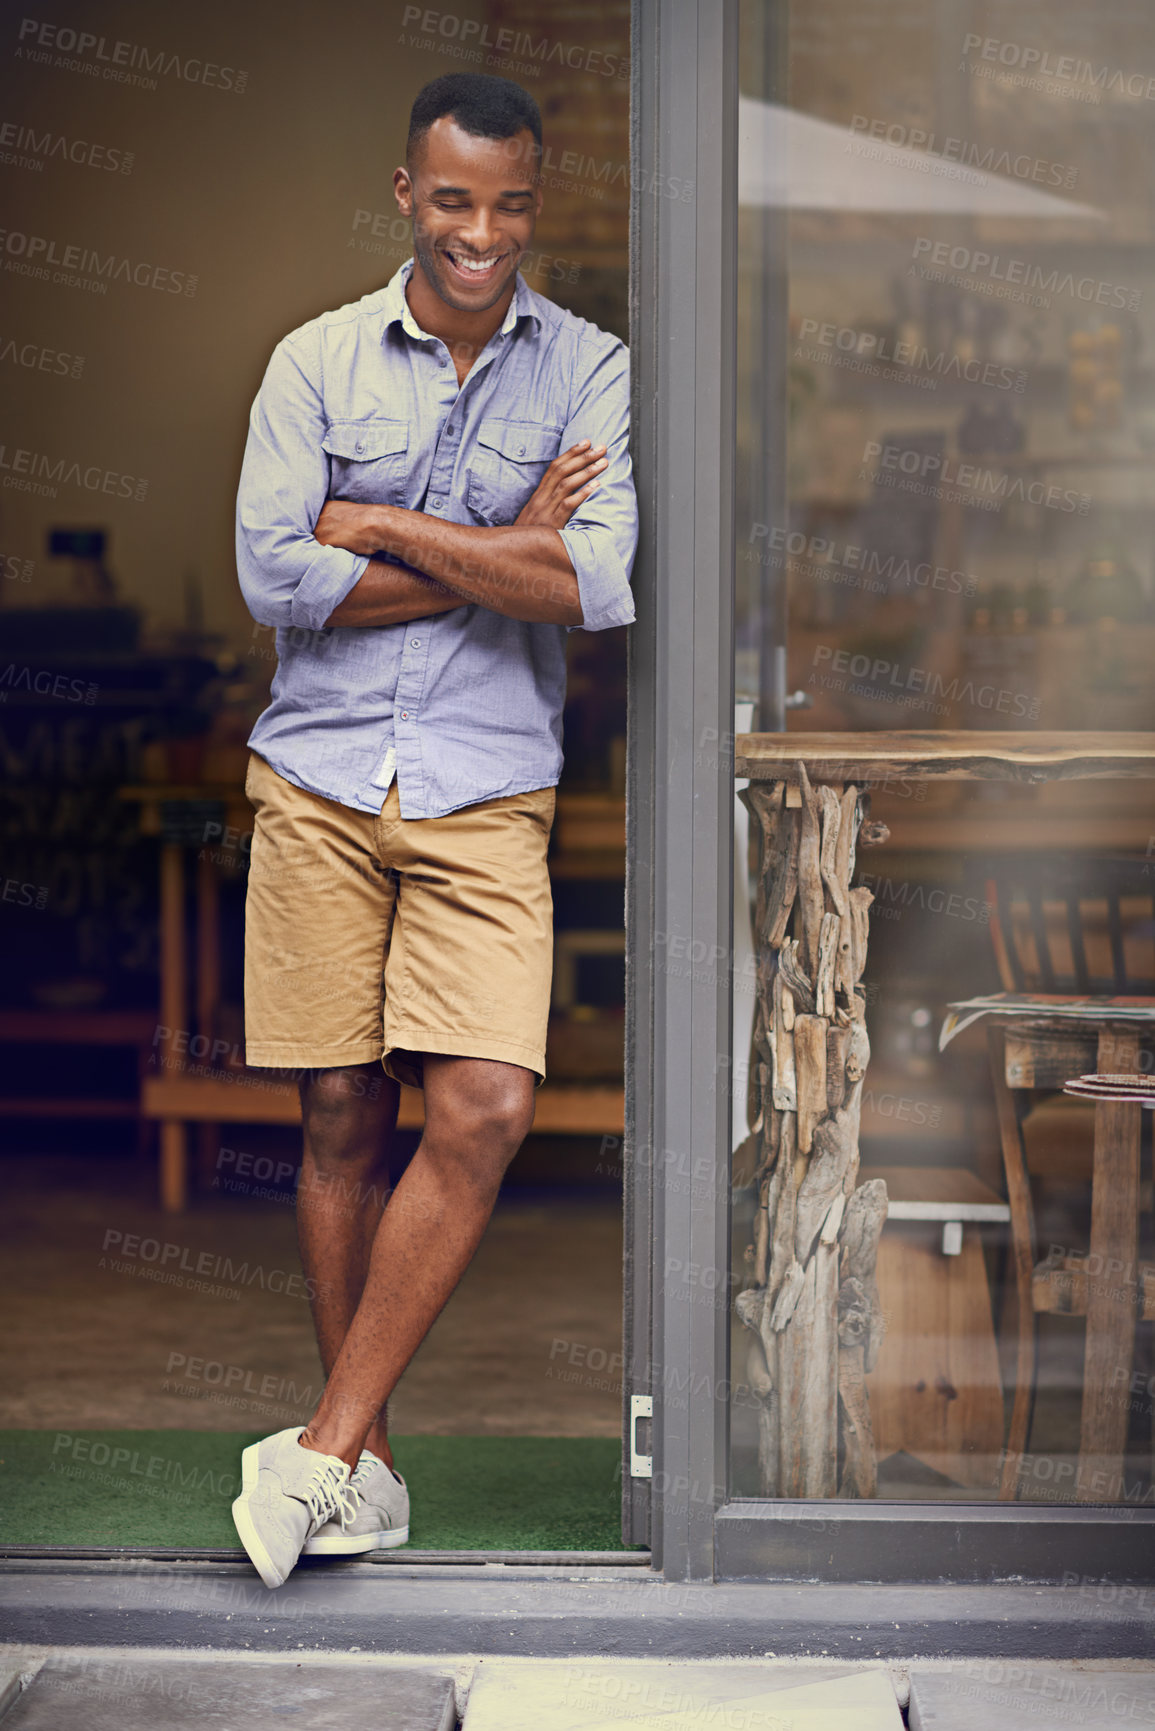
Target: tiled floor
column 526, row 1346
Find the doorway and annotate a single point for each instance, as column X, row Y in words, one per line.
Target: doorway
column 118, row 1347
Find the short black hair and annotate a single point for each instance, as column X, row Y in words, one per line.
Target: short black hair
column 484, row 106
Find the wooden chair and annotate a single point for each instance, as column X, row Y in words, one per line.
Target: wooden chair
column 1072, row 930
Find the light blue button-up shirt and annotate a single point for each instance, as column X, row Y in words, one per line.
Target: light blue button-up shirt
column 363, row 404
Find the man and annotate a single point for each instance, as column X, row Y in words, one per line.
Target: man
column 436, row 488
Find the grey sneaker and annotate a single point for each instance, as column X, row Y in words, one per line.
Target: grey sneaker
column 381, row 1519
column 287, row 1493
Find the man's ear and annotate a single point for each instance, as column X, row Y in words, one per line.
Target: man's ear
column 403, row 190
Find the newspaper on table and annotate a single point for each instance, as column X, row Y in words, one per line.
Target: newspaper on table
column 1045, row 1007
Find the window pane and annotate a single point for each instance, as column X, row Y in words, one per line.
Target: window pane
column 945, row 521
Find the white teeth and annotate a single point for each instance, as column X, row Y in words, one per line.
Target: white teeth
column 468, row 264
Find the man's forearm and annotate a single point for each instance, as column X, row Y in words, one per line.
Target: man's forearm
column 522, row 572
column 388, row 594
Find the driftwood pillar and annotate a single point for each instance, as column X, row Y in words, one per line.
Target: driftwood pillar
column 812, row 1306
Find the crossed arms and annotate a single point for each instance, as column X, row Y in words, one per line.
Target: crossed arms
column 307, row 561
column 523, row 571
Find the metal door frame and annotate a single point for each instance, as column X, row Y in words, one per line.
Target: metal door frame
column 683, row 274
column 680, row 780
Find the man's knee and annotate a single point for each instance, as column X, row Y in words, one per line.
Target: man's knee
column 339, row 1107
column 491, row 1120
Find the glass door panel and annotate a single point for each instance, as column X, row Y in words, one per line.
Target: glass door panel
column 945, row 521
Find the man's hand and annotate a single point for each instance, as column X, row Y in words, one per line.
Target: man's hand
column 345, row 523
column 566, row 484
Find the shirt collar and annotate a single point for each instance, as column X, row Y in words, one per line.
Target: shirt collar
column 396, row 307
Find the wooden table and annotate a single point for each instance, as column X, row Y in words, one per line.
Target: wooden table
column 812, row 1307
column 178, row 1021
column 872, row 758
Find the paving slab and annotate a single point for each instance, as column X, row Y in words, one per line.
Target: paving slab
column 14, row 1676
column 589, row 1695
column 1017, row 1696
column 107, row 1692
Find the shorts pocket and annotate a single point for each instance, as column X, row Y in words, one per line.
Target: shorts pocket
column 538, row 806
column 252, row 773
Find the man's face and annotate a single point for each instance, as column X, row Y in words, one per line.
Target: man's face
column 474, row 203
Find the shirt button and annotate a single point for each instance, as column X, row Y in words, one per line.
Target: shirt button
column 443, row 362
column 405, row 715
column 437, row 504
column 521, row 450
column 415, row 642
column 360, row 444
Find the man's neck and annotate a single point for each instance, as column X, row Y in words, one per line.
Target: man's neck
column 464, row 334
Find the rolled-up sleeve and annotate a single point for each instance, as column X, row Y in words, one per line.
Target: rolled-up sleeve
column 601, row 537
column 287, row 577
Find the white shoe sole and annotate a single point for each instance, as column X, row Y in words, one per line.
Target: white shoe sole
column 243, row 1521
column 356, row 1545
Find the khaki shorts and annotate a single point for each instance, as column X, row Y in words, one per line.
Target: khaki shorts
column 387, row 937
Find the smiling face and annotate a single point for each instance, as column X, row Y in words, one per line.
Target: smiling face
column 474, row 204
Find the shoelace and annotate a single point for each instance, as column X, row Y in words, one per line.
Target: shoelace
column 363, row 1470
column 352, row 1490
column 327, row 1493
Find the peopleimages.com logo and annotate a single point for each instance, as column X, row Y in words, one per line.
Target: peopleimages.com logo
column 34, row 254
column 126, row 1249
column 46, row 683
column 939, row 475
column 25, row 147
column 44, row 473
column 859, row 567
column 472, row 36
column 1034, row 68
column 1014, row 278
column 39, row 358
column 120, row 62
column 914, row 687
column 878, row 350
column 988, row 159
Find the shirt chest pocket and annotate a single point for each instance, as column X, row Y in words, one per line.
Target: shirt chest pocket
column 368, row 460
column 508, row 461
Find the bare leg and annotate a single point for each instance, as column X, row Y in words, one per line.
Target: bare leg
column 348, row 1116
column 477, row 1112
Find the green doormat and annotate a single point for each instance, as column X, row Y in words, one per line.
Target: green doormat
column 173, row 1488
